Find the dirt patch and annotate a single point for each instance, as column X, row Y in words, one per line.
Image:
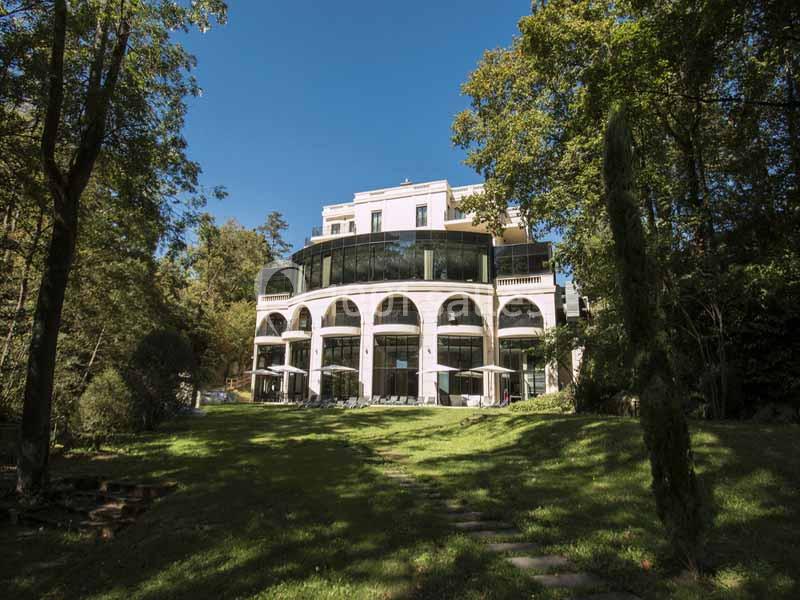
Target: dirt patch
column 88, row 504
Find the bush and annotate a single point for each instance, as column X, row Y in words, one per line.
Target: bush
column 555, row 403
column 107, row 406
column 161, row 363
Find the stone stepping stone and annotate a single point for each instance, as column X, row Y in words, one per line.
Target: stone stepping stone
column 478, row 525
column 501, row 547
column 540, row 563
column 568, row 580
column 494, row 533
column 610, row 596
column 466, row 516
column 454, row 506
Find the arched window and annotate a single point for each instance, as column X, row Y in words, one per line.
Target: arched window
column 302, row 321
column 273, row 325
column 459, row 311
column 521, row 313
column 279, row 283
column 397, row 310
column 342, row 313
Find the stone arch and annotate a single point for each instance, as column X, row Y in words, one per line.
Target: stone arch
column 301, row 320
column 342, row 312
column 274, row 324
column 520, row 312
column 396, row 309
column 459, row 309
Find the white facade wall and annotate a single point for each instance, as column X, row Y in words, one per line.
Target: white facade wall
column 398, row 208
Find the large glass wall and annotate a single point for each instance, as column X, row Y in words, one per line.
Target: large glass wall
column 395, row 363
column 268, row 387
column 397, row 310
column 520, row 313
column 397, row 255
column 300, row 357
column 528, row 378
column 521, row 259
column 342, row 351
column 463, row 353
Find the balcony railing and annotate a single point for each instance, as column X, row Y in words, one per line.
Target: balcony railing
column 528, row 280
column 263, row 298
column 316, row 231
column 397, row 317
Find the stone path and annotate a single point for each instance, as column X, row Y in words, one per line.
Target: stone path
column 549, row 571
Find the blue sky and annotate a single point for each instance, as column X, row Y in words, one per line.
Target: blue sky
column 305, row 103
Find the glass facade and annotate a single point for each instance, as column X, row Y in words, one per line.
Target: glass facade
column 342, row 351
column 520, row 313
column 300, row 357
column 463, row 353
column 396, row 255
column 528, row 379
column 521, row 259
column 395, row 363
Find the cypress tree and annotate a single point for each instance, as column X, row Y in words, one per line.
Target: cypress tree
column 666, row 433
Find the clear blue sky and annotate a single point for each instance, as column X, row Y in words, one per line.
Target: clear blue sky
column 305, row 103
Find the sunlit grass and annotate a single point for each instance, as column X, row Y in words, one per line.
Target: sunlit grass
column 286, row 503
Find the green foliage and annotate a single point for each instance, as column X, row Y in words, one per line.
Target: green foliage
column 106, row 406
column 162, row 362
column 711, row 91
column 560, row 402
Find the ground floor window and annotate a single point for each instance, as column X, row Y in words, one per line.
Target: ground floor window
column 462, row 353
column 528, row 378
column 300, row 357
column 343, row 351
column 268, row 387
column 395, row 363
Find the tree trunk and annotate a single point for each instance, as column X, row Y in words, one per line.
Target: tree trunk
column 35, row 432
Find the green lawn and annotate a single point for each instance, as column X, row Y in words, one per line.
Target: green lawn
column 288, row 503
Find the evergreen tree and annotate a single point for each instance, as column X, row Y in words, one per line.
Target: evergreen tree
column 666, row 433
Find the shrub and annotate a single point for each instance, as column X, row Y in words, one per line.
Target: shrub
column 160, row 364
column 106, row 406
column 560, row 402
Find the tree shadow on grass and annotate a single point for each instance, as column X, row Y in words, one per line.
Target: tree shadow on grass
column 273, row 504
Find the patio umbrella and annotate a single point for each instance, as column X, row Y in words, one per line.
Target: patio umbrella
column 439, row 369
column 265, row 372
column 287, row 369
column 493, row 369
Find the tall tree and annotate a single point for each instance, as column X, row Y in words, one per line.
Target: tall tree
column 666, row 433
column 90, row 85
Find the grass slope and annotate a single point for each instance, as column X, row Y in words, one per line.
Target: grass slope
column 286, row 503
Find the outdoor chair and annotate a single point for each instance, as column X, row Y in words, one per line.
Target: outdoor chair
column 376, row 399
column 403, row 400
column 393, row 400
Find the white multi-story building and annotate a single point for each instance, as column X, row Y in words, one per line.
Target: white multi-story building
column 400, row 296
